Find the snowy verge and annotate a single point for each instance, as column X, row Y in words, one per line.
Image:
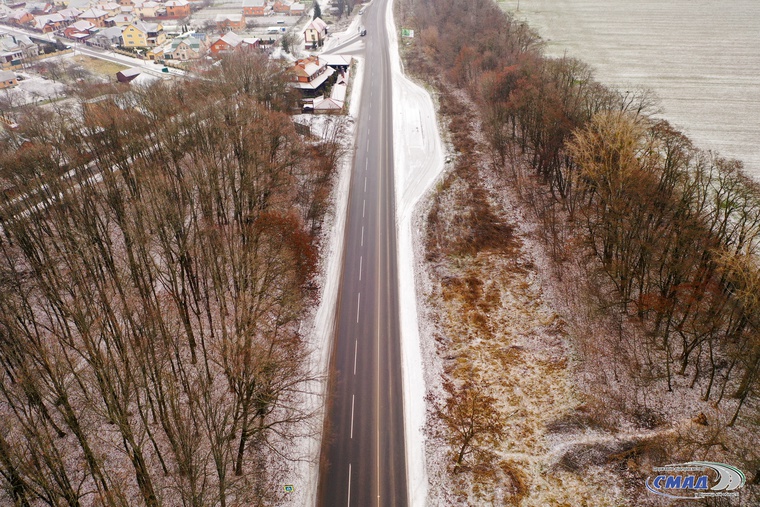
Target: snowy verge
column 418, row 161
column 322, row 327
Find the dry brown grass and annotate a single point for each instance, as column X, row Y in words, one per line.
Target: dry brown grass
column 98, row 66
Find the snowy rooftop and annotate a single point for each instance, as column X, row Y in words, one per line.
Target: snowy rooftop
column 316, row 82
column 82, row 25
column 228, row 17
column 317, row 24
column 336, row 60
column 232, row 39
column 327, row 104
column 130, row 72
column 93, row 13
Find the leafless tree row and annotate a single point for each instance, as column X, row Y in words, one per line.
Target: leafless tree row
column 674, row 231
column 151, row 299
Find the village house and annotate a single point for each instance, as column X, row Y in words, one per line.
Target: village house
column 143, row 34
column 95, row 16
column 70, row 15
column 147, row 9
column 232, row 42
column 230, row 22
column 281, row 7
column 112, row 8
column 81, row 30
column 10, row 55
column 120, row 20
column 188, row 46
column 254, row 7
column 20, row 17
column 48, row 23
column 7, row 79
column 107, row 38
column 14, row 49
column 315, row 33
column 297, row 9
column 310, row 74
column 177, row 9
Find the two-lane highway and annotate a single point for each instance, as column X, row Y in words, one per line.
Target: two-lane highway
column 363, row 455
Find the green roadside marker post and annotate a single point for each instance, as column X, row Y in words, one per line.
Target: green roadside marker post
column 289, row 488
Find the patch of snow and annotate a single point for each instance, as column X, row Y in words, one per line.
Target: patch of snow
column 33, row 89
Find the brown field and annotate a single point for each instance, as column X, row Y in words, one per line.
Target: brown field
column 98, row 66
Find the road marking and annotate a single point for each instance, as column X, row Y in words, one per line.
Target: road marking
column 364, row 207
column 360, row 267
column 365, row 183
column 358, row 302
column 349, row 485
column 362, row 244
column 356, row 348
column 352, row 418
column 366, row 162
column 367, row 131
column 377, row 405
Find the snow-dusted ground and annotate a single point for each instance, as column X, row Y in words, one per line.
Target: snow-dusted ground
column 32, row 89
column 702, row 58
column 418, row 161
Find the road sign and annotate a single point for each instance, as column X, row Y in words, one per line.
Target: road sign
column 407, row 32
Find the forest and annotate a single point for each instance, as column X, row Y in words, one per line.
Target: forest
column 661, row 240
column 157, row 255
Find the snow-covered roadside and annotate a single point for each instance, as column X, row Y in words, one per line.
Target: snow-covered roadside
column 321, row 329
column 418, row 161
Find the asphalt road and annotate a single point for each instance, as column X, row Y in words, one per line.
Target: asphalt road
column 363, row 455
